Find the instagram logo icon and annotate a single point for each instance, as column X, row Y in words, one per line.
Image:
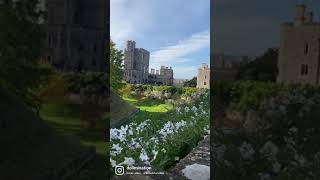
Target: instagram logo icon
column 119, row 170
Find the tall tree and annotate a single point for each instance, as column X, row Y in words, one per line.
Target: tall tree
column 116, row 67
column 20, row 49
column 191, row 83
column 263, row 68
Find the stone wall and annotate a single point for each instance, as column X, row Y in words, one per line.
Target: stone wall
column 299, row 53
column 76, row 35
column 203, row 77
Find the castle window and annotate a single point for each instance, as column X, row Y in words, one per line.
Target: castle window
column 304, row 69
column 204, row 83
column 306, row 48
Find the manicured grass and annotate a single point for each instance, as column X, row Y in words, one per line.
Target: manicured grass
column 149, row 104
column 66, row 120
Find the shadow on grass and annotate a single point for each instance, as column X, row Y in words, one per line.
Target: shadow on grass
column 96, row 170
column 149, row 102
column 67, row 121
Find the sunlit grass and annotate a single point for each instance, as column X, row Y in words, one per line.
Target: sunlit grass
column 149, row 105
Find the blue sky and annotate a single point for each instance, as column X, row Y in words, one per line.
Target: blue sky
column 250, row 27
column 176, row 32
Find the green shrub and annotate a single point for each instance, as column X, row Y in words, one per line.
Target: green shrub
column 276, row 134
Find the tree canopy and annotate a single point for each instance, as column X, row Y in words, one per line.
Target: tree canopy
column 263, row 68
column 191, row 83
column 20, row 50
column 116, row 67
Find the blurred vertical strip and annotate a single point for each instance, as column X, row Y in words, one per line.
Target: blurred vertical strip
column 107, row 68
column 212, row 109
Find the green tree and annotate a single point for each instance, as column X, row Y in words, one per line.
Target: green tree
column 116, row 67
column 191, row 83
column 21, row 72
column 263, row 68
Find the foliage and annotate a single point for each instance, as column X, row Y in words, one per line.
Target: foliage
column 92, row 89
column 263, row 68
column 20, row 48
column 116, row 67
column 65, row 118
column 191, row 83
column 272, row 131
column 87, row 83
column 161, row 142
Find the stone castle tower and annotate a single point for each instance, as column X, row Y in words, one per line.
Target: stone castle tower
column 77, row 34
column 299, row 53
column 136, row 67
column 136, row 63
column 225, row 67
column 203, row 77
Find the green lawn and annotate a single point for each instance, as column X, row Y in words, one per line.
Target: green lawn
column 149, row 105
column 149, row 108
column 66, row 120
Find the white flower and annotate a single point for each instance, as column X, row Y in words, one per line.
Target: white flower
column 113, row 162
column 270, row 150
column 143, row 155
column 130, row 132
column 194, row 109
column 128, row 161
column 113, row 133
column 117, row 149
column 134, row 144
column 293, row 130
column 178, row 110
column 246, row 151
column 180, row 124
column 167, row 129
column 155, row 153
column 142, row 126
column 187, row 109
column 154, row 140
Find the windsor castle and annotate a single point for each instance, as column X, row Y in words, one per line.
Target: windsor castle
column 136, row 68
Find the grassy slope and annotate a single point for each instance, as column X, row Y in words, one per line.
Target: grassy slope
column 119, row 110
column 149, row 108
column 30, row 146
column 66, row 120
column 149, row 105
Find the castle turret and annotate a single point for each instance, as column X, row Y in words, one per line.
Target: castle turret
column 300, row 15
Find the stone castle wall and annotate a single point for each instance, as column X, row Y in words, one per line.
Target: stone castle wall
column 203, row 77
column 76, row 35
column 136, row 67
column 299, row 49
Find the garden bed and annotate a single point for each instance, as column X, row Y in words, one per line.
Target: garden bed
column 161, row 139
column 266, row 131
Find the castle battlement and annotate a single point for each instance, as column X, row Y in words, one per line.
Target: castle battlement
column 136, row 67
column 299, row 49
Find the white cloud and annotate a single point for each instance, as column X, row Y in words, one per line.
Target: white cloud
column 129, row 19
column 176, row 54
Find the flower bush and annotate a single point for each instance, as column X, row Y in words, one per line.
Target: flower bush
column 162, row 142
column 272, row 132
